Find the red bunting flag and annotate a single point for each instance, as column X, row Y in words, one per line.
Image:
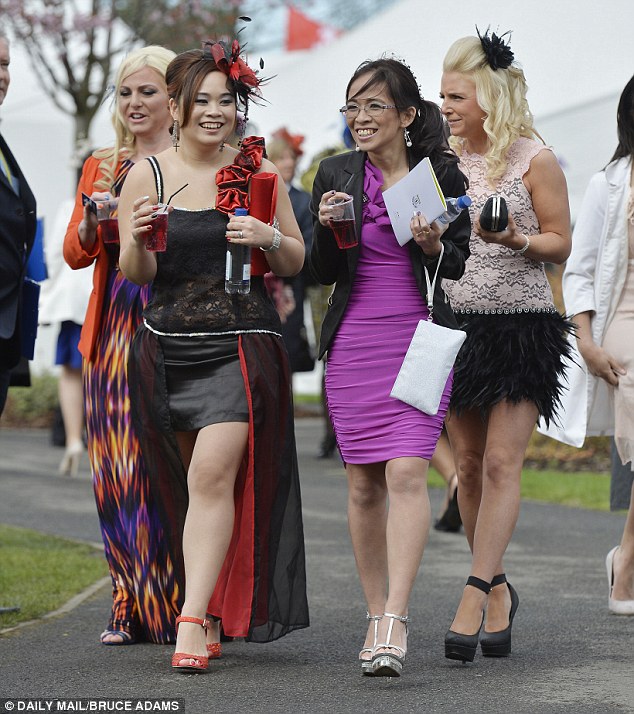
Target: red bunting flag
column 302, row 33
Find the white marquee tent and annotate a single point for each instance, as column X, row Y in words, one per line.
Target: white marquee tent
column 577, row 56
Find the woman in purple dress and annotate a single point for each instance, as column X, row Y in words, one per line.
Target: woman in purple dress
column 374, row 310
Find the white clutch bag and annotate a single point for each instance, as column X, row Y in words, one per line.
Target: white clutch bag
column 428, row 360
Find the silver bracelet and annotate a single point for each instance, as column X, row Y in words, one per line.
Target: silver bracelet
column 525, row 247
column 277, row 238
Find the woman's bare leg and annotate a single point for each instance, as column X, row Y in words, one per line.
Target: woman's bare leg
column 467, row 434
column 212, row 465
column 367, row 520
column 408, row 521
column 71, row 402
column 623, row 563
column 508, row 431
column 443, row 462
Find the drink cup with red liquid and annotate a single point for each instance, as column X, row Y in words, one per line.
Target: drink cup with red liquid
column 157, row 239
column 108, row 221
column 343, row 224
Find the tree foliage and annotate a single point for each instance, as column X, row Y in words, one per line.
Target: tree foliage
column 71, row 49
column 179, row 25
column 75, row 45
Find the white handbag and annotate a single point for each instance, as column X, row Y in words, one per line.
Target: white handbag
column 429, row 358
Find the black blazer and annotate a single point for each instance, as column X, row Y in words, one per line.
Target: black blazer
column 292, row 329
column 329, row 265
column 300, row 201
column 18, row 222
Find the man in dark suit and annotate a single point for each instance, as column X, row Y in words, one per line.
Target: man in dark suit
column 17, row 233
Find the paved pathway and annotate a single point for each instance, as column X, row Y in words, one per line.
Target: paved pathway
column 569, row 654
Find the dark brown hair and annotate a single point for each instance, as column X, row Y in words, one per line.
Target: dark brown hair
column 427, row 130
column 186, row 73
column 625, row 123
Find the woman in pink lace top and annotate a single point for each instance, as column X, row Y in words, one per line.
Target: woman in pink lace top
column 507, row 373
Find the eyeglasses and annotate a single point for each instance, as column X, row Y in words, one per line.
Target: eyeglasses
column 373, row 109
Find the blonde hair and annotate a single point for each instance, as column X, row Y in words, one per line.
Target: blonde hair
column 501, row 94
column 155, row 57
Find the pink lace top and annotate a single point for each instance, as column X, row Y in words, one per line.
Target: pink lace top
column 496, row 278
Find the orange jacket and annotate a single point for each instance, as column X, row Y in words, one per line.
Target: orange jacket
column 77, row 257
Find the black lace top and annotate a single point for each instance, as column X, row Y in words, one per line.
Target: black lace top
column 188, row 292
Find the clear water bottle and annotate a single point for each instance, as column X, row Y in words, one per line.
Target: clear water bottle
column 238, row 265
column 455, row 206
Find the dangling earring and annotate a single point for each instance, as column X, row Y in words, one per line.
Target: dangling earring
column 241, row 126
column 222, row 145
column 408, row 138
column 176, row 134
column 357, row 147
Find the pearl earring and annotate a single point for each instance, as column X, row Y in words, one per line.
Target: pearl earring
column 408, row 138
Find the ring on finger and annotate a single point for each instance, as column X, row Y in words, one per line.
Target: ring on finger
column 240, row 235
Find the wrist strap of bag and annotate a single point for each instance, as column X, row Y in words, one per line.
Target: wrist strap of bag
column 431, row 284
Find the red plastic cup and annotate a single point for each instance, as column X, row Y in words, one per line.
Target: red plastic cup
column 109, row 230
column 157, row 239
column 343, row 224
column 106, row 215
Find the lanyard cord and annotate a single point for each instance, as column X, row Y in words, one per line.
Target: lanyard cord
column 431, row 284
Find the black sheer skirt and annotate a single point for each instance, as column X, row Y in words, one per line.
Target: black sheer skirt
column 261, row 591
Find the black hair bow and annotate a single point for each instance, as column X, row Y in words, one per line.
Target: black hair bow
column 497, row 52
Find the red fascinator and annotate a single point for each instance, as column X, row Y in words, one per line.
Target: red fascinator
column 295, row 141
column 228, row 60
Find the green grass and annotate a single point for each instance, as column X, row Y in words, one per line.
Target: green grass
column 32, row 406
column 39, row 573
column 579, row 490
column 307, row 398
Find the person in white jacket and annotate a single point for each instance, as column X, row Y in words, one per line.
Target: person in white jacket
column 63, row 301
column 598, row 289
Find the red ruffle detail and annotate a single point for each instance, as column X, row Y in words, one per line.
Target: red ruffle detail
column 233, row 180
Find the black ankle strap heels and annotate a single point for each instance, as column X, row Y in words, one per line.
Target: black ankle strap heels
column 498, row 644
column 463, row 647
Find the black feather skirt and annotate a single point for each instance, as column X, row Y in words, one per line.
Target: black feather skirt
column 515, row 357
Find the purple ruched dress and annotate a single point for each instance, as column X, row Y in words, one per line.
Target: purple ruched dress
column 383, row 311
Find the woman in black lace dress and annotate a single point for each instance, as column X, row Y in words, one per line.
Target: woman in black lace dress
column 208, row 371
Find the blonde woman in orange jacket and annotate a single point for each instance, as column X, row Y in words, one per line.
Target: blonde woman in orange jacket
column 146, row 583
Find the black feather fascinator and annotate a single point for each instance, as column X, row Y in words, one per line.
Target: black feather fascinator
column 497, row 52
